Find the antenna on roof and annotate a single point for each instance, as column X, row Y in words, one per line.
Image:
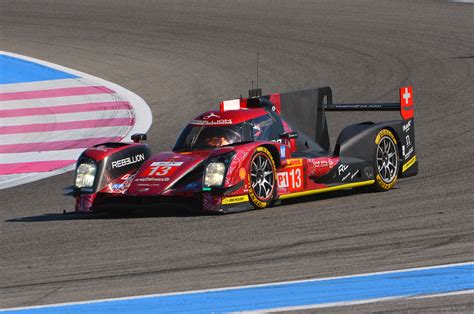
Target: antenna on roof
column 257, row 92
column 257, row 69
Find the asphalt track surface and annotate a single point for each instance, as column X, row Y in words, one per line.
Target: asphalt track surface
column 182, row 58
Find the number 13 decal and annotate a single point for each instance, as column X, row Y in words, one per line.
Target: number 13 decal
column 159, row 170
column 295, row 178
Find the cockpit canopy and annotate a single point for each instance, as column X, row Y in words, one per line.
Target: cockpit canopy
column 196, row 137
column 214, row 130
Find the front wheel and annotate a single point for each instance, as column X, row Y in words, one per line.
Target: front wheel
column 386, row 161
column 261, row 178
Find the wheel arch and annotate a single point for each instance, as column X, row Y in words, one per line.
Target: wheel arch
column 275, row 154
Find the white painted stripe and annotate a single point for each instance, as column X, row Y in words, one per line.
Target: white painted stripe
column 446, row 294
column 359, row 302
column 68, row 154
column 236, row 287
column 67, row 117
column 58, row 101
column 54, row 136
column 42, row 85
column 321, row 305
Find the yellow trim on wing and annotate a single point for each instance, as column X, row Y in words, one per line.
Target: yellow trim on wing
column 409, row 164
column 329, row 189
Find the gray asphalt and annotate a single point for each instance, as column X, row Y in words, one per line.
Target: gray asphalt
column 183, row 57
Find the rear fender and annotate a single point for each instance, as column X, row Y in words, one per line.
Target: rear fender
column 357, row 140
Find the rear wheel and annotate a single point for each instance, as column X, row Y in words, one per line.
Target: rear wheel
column 261, row 178
column 386, row 161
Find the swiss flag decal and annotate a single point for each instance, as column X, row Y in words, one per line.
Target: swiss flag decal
column 406, row 102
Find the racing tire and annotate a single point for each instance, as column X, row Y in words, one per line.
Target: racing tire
column 261, row 178
column 386, row 164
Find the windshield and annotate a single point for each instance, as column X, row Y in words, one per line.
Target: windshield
column 205, row 137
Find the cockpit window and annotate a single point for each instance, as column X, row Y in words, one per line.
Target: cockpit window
column 262, row 128
column 205, row 137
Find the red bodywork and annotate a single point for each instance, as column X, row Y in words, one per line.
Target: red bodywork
column 173, row 175
column 159, row 174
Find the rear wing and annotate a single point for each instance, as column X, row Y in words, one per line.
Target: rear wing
column 405, row 106
column 306, row 109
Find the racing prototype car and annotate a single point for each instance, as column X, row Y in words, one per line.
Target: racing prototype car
column 251, row 153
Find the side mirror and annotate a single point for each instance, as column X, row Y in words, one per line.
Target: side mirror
column 136, row 138
column 289, row 135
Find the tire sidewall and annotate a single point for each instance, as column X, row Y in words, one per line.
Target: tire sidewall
column 380, row 184
column 253, row 198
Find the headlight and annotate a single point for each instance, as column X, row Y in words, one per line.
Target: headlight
column 85, row 175
column 214, row 174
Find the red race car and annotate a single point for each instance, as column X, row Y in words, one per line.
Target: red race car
column 251, row 153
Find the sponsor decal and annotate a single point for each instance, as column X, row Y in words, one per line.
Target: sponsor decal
column 215, row 122
column 342, row 168
column 407, row 138
column 297, row 162
column 192, row 185
column 409, row 164
column 323, row 163
column 212, row 115
column 354, row 174
column 283, row 151
column 128, row 161
column 148, row 179
column 406, row 126
column 117, row 186
column 369, row 173
column 235, row 199
column 167, row 163
column 408, row 154
column 282, row 179
column 383, row 133
column 385, row 185
column 346, row 176
column 291, row 178
column 330, row 163
column 242, row 173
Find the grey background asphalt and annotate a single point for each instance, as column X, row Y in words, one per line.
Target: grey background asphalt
column 183, row 57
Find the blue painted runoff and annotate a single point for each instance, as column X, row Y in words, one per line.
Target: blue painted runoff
column 15, row 70
column 394, row 284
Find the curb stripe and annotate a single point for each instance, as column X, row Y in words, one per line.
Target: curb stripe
column 37, row 166
column 92, row 106
column 57, row 92
column 66, row 117
column 65, row 135
column 52, row 103
column 58, row 101
column 49, row 155
column 55, row 145
column 46, row 127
